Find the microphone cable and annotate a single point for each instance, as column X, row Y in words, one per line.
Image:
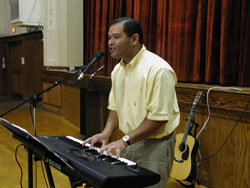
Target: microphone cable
column 21, row 178
column 21, row 169
column 208, row 107
column 230, row 134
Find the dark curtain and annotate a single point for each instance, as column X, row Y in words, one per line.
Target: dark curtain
column 227, row 42
column 244, row 59
column 205, row 41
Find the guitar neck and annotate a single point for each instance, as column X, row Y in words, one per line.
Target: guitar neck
column 188, row 126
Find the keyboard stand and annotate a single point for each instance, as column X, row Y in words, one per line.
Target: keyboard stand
column 75, row 183
column 30, row 167
column 49, row 175
column 30, row 170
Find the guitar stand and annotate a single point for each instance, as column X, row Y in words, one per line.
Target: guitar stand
column 195, row 128
column 193, row 123
column 185, row 185
column 192, row 185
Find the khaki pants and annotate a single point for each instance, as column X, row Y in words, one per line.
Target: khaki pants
column 154, row 154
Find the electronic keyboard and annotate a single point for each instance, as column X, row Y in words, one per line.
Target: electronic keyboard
column 95, row 169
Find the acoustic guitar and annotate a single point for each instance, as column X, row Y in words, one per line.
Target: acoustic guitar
column 186, row 147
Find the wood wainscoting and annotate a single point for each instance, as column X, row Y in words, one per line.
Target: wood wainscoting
column 230, row 167
column 63, row 99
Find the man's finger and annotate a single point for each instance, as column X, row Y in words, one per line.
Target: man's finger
column 118, row 152
column 86, row 141
column 93, row 141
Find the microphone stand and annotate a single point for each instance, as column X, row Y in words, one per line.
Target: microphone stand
column 34, row 99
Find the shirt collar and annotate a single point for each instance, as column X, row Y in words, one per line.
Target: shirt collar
column 135, row 60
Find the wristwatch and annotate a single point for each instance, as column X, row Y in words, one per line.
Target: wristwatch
column 126, row 139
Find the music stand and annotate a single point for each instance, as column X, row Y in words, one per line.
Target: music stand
column 35, row 146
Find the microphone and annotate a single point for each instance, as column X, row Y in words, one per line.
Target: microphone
column 94, row 74
column 96, row 57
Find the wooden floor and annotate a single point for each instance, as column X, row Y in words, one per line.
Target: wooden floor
column 46, row 124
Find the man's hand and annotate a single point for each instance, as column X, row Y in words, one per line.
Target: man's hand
column 101, row 138
column 117, row 146
column 110, row 127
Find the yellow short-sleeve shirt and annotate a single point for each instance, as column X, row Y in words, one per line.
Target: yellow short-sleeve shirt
column 144, row 88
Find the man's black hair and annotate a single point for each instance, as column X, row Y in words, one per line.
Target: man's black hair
column 130, row 27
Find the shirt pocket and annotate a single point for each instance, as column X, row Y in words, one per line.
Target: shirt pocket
column 136, row 102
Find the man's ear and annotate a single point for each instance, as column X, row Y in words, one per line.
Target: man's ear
column 135, row 38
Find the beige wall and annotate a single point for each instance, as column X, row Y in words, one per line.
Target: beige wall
column 63, row 33
column 5, row 25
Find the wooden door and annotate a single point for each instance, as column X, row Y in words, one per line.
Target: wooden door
column 15, row 60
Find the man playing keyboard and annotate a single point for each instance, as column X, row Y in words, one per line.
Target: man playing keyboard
column 142, row 102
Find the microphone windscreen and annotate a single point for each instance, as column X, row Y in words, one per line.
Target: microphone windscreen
column 99, row 54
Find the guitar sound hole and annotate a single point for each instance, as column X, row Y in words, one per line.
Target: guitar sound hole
column 182, row 147
column 186, row 153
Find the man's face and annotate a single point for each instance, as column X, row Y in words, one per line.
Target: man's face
column 119, row 43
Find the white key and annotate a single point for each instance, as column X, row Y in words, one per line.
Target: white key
column 128, row 162
column 75, row 139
